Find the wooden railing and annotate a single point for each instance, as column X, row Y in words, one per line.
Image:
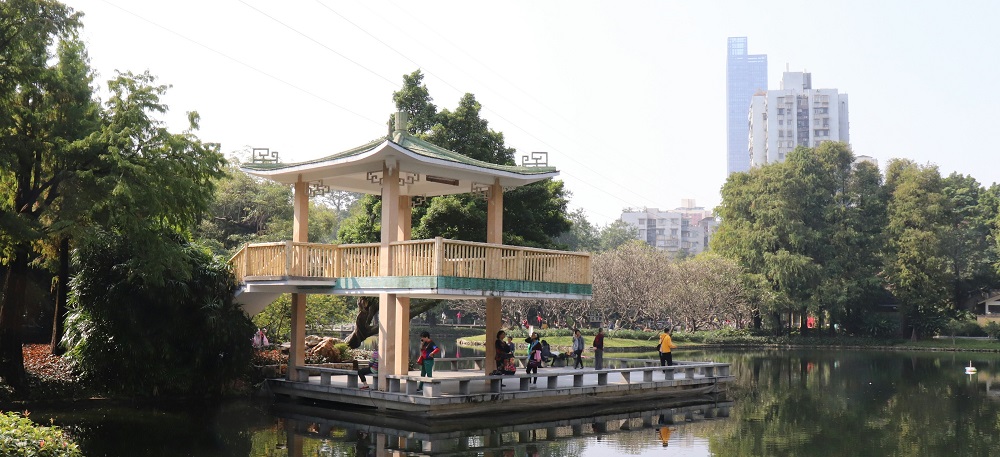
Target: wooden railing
column 436, row 257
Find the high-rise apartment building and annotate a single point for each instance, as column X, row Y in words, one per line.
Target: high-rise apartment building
column 685, row 230
column 795, row 115
column 745, row 75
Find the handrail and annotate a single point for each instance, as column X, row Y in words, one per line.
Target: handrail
column 434, row 257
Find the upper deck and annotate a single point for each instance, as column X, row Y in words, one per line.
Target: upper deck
column 435, row 268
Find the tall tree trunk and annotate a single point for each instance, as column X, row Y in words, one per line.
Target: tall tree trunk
column 364, row 322
column 11, row 322
column 62, row 291
column 804, row 322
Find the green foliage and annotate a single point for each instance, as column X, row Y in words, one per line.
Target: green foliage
column 582, row 235
column 320, row 310
column 19, row 436
column 243, row 208
column 965, row 325
column 617, row 234
column 992, row 329
column 879, row 326
column 916, row 266
column 71, row 164
column 177, row 332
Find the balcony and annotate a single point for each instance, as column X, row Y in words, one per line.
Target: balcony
column 435, row 268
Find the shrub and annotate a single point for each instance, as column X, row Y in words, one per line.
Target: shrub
column 146, row 331
column 877, row 326
column 19, row 436
column 343, row 352
column 993, row 330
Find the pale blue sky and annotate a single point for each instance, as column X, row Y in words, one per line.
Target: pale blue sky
column 627, row 97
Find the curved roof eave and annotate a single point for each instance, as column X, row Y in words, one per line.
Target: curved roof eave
column 326, row 168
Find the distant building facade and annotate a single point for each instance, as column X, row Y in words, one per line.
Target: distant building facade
column 682, row 231
column 745, row 75
column 795, row 115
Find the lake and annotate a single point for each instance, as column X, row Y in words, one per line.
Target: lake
column 783, row 403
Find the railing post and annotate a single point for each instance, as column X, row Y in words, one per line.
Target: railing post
column 438, row 256
column 246, row 262
column 288, row 258
column 337, row 269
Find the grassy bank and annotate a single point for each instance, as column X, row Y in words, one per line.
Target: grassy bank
column 643, row 341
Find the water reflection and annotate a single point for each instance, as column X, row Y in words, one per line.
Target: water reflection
column 783, row 403
column 313, row 430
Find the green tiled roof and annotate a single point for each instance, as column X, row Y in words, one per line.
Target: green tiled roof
column 414, row 145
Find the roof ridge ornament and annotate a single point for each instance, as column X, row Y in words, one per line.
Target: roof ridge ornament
column 402, row 124
column 537, row 159
column 263, row 155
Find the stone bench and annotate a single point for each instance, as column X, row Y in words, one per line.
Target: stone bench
column 477, row 362
column 326, row 373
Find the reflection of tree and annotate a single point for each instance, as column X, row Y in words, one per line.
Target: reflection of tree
column 829, row 403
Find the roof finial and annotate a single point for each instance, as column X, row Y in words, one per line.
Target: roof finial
column 401, row 126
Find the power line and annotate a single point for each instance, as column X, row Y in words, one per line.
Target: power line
column 494, row 112
column 258, row 70
column 369, row 70
column 314, row 95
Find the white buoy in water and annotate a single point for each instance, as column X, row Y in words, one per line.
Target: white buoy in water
column 970, row 369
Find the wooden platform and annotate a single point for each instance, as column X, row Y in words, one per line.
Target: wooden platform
column 468, row 392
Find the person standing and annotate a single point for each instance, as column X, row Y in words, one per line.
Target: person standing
column 599, row 349
column 666, row 358
column 534, row 358
column 428, row 349
column 577, row 349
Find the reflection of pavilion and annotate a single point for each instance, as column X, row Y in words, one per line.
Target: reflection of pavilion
column 490, row 434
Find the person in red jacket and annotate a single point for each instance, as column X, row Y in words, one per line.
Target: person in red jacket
column 599, row 349
column 428, row 350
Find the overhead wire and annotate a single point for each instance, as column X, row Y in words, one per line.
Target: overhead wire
column 494, row 112
column 348, row 110
column 240, row 62
column 516, row 87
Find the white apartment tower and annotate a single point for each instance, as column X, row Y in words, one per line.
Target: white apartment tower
column 685, row 230
column 795, row 115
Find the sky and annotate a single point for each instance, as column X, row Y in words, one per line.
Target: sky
column 627, row 97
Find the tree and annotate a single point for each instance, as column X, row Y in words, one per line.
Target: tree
column 244, row 209
column 46, row 101
column 533, row 215
column 916, row 264
column 582, row 235
column 970, row 211
column 793, row 225
column 70, row 164
column 630, row 285
column 178, row 332
column 706, row 291
column 617, row 234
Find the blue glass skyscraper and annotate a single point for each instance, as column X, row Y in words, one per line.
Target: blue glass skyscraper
column 745, row 75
